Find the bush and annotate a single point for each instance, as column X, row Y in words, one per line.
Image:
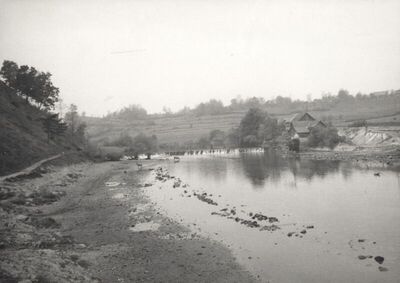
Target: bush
column 324, row 137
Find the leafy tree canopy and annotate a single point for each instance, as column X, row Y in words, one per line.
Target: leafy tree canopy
column 256, row 127
column 30, row 83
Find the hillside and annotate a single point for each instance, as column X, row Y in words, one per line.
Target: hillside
column 181, row 129
column 178, row 129
column 22, row 138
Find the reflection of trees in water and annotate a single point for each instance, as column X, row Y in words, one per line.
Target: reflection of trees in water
column 309, row 169
column 258, row 168
column 398, row 179
column 271, row 166
column 346, row 168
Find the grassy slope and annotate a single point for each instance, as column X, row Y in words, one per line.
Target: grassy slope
column 168, row 129
column 22, row 139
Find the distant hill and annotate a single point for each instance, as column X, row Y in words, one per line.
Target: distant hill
column 176, row 129
column 22, row 138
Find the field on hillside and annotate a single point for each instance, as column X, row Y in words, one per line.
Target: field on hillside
column 181, row 129
column 168, row 129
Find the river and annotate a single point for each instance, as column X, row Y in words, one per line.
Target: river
column 336, row 220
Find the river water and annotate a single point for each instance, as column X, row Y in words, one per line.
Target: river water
column 334, row 217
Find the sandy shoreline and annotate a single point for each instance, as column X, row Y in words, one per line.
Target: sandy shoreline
column 87, row 223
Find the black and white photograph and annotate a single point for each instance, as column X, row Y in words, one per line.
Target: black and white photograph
column 180, row 141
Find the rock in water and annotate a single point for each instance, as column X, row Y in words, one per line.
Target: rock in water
column 379, row 259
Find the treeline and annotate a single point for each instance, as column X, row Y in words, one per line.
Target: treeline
column 37, row 89
column 133, row 146
column 132, row 112
column 285, row 105
column 279, row 105
column 71, row 127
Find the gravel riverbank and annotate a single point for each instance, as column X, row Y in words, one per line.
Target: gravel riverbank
column 93, row 223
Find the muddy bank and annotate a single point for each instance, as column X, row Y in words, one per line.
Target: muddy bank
column 32, row 247
column 93, row 223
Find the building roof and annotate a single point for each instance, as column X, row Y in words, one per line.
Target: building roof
column 303, row 127
column 303, row 116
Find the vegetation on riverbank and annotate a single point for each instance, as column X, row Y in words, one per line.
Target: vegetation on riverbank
column 140, row 144
column 30, row 129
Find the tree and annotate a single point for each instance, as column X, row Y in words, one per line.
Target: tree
column 344, row 96
column 256, row 127
column 124, row 140
column 44, row 92
column 25, row 80
column 167, row 111
column 144, row 144
column 270, row 129
column 324, row 137
column 53, row 126
column 30, row 83
column 250, row 125
column 280, row 100
column 255, row 102
column 9, row 72
column 71, row 117
column 203, row 142
column 130, row 113
column 250, row 141
column 212, row 107
column 233, row 137
column 217, row 138
column 81, row 132
column 184, row 111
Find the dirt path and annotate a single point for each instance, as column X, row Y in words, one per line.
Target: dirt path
column 102, row 213
column 29, row 169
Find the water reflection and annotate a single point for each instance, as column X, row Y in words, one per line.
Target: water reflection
column 310, row 169
column 271, row 167
column 262, row 168
column 259, row 168
column 344, row 201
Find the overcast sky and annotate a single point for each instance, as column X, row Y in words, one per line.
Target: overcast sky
column 105, row 55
